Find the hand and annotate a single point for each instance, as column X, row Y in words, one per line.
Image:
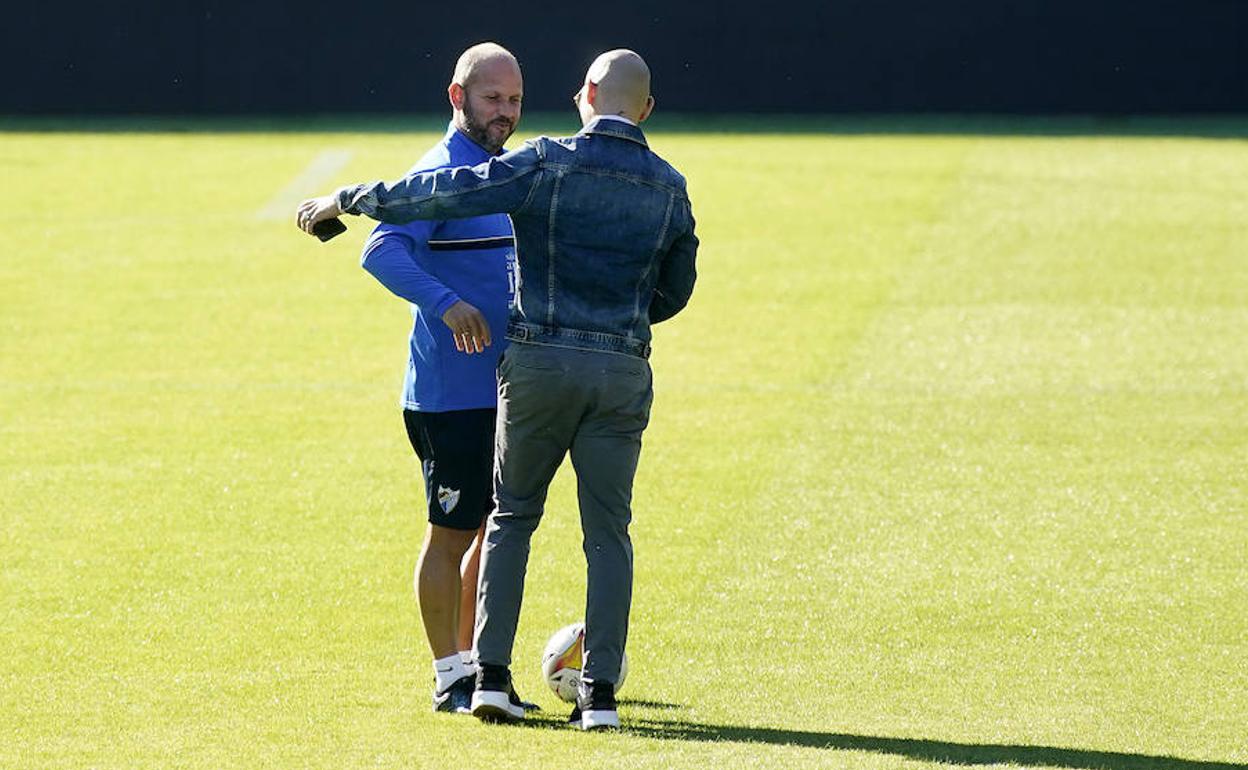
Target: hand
column 315, row 210
column 468, row 327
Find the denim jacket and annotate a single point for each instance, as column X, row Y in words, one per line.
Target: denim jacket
column 604, row 232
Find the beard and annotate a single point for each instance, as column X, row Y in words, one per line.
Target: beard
column 492, row 135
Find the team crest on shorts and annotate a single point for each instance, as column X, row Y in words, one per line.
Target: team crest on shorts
column 447, row 498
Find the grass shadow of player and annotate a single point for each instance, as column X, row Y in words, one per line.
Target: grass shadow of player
column 649, row 704
column 558, row 717
column 944, row 752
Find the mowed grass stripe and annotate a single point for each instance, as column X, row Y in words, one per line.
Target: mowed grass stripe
column 309, row 182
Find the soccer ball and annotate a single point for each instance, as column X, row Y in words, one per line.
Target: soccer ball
column 561, row 662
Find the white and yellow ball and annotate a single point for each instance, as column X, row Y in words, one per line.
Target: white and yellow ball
column 562, row 662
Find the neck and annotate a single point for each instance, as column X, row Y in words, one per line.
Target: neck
column 614, row 116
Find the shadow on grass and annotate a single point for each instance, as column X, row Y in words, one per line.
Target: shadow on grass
column 943, row 752
column 649, row 704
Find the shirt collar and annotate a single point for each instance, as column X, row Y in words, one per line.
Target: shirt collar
column 464, row 149
column 620, row 118
column 618, row 127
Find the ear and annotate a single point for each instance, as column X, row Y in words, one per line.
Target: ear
column 591, row 92
column 455, row 92
column 649, row 108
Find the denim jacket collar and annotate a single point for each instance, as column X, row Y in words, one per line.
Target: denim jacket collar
column 617, row 128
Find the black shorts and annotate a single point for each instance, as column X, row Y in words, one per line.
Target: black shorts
column 456, row 451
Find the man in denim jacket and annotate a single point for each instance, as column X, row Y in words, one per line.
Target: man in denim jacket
column 605, row 246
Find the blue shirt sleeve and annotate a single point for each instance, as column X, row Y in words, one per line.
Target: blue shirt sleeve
column 390, row 256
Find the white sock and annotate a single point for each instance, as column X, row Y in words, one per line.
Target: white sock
column 448, row 671
column 465, row 657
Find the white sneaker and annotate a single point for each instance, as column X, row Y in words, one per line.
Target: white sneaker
column 596, row 704
column 495, row 700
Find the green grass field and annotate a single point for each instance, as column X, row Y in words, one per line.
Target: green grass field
column 948, row 465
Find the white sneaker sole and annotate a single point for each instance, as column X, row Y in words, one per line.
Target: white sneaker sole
column 494, row 706
column 592, row 720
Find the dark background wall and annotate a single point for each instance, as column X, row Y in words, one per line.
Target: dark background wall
column 1008, row 56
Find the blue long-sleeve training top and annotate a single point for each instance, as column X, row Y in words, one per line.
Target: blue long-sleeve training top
column 433, row 265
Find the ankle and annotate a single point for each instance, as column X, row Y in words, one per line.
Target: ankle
column 491, row 676
column 449, row 670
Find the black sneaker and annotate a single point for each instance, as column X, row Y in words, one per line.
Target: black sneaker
column 595, row 706
column 456, row 699
column 495, row 700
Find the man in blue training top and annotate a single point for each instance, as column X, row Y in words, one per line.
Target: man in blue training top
column 605, row 248
column 459, row 275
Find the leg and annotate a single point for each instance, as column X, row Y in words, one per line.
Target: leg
column 438, row 586
column 470, row 572
column 456, row 452
column 537, row 415
column 605, row 454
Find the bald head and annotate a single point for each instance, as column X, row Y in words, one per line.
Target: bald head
column 480, row 58
column 618, row 83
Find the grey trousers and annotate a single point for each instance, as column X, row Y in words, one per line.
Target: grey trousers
column 554, row 401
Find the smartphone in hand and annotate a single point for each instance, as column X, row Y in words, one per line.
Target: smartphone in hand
column 328, row 228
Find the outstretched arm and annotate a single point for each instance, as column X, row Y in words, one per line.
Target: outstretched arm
column 499, row 186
